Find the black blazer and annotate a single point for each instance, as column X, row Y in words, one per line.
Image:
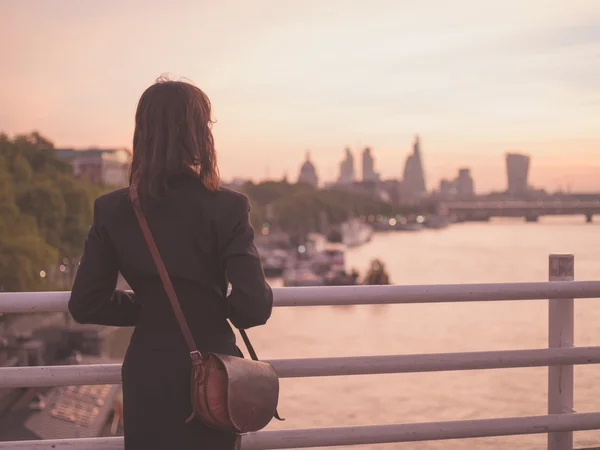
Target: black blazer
column 206, row 240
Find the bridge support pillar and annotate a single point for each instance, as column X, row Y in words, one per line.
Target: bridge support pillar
column 532, row 218
column 589, row 218
column 560, row 335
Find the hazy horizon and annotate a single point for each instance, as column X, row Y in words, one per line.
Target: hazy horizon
column 475, row 79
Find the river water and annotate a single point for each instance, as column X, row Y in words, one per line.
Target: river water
column 499, row 251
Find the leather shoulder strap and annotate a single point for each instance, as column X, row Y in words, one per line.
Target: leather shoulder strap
column 164, row 275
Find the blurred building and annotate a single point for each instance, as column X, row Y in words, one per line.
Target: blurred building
column 347, row 173
column 308, row 173
column 107, row 166
column 368, row 167
column 414, row 175
column 462, row 187
column 465, row 187
column 448, row 188
column 517, row 172
column 394, row 190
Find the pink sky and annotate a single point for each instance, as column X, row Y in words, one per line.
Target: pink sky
column 474, row 78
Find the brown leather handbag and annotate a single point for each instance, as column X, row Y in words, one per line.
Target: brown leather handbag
column 228, row 393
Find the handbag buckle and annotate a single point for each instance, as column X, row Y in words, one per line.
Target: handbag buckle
column 196, row 355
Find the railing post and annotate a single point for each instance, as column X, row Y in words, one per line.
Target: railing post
column 560, row 334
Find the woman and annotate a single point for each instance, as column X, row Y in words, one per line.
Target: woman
column 205, row 239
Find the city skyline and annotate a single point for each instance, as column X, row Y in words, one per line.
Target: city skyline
column 477, row 81
column 516, row 165
column 414, row 174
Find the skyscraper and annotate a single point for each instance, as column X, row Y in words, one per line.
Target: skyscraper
column 517, row 173
column 368, row 166
column 347, row 174
column 308, row 173
column 414, row 176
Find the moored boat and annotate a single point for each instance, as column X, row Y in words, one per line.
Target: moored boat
column 301, row 276
column 273, row 262
column 355, row 232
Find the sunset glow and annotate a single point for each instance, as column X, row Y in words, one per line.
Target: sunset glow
column 474, row 78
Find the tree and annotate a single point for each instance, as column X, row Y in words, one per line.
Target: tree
column 44, row 201
column 23, row 250
column 300, row 207
column 78, row 214
column 45, row 212
column 25, row 255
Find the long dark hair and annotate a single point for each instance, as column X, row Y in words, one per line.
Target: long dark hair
column 172, row 136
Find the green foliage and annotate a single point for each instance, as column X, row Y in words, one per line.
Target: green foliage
column 300, row 208
column 45, row 212
column 24, row 254
column 44, row 201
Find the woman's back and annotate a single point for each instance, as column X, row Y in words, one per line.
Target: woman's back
column 204, row 236
column 197, row 232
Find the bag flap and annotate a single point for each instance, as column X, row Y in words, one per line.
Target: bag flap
column 253, row 392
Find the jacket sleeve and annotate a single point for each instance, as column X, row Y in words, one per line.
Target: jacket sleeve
column 251, row 299
column 94, row 298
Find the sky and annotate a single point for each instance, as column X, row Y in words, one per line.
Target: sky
column 474, row 78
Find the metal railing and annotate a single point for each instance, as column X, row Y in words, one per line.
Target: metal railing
column 560, row 356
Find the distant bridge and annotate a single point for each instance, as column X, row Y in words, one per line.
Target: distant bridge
column 530, row 210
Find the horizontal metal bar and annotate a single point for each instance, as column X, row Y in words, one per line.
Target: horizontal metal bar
column 396, row 294
column 42, row 376
column 103, row 443
column 434, row 362
column 321, row 367
column 412, row 432
column 376, row 434
column 22, row 302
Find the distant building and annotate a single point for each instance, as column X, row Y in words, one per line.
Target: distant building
column 462, row 187
column 414, row 175
column 347, row 174
column 517, row 172
column 448, row 188
column 108, row 166
column 465, row 187
column 394, row 191
column 368, row 167
column 308, row 173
